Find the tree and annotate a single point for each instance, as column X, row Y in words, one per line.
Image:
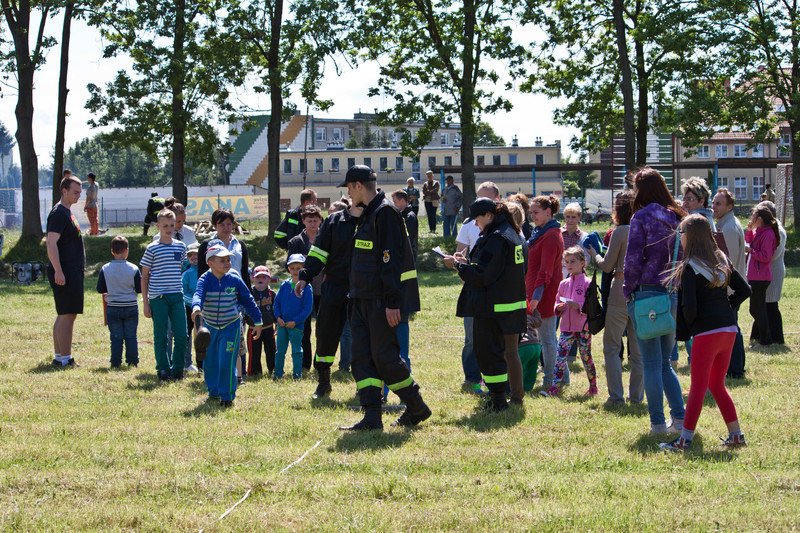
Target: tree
column 617, row 63
column 25, row 62
column 582, row 179
column 435, row 66
column 183, row 65
column 61, row 114
column 486, row 136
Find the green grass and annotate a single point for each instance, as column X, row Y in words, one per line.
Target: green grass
column 90, row 449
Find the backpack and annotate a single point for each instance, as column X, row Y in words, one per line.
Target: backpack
column 595, row 314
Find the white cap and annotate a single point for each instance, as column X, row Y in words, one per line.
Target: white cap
column 217, row 251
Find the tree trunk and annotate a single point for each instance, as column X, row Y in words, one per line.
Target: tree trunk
column 274, row 126
column 626, row 86
column 178, row 118
column 644, row 108
column 466, row 113
column 795, row 144
column 61, row 115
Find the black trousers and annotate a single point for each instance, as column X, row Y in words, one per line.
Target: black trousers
column 775, row 320
column 490, row 346
column 254, row 347
column 736, row 366
column 376, row 353
column 758, row 310
column 331, row 316
column 307, row 353
column 431, row 212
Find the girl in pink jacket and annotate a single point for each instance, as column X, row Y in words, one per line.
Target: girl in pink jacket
column 762, row 238
column 574, row 328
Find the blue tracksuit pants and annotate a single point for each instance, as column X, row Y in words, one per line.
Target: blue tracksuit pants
column 219, row 367
column 284, row 338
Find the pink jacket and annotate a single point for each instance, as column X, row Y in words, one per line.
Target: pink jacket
column 573, row 288
column 762, row 247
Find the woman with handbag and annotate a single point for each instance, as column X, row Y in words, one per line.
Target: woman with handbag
column 652, row 248
column 617, row 319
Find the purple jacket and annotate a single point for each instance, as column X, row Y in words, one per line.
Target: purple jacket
column 762, row 249
column 651, row 242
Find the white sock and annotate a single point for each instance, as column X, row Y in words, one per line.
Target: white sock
column 63, row 358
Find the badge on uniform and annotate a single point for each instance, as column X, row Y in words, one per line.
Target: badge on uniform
column 386, row 256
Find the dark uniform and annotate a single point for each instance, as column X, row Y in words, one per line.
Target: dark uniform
column 291, row 225
column 412, row 227
column 332, row 252
column 300, row 244
column 494, row 293
column 154, row 205
column 382, row 277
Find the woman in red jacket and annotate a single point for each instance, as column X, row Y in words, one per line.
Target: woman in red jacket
column 545, row 248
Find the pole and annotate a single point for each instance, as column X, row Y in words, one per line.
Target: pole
column 533, row 179
column 716, row 180
column 441, row 188
column 305, row 152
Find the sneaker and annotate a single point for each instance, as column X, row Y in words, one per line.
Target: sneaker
column 163, row 377
column 658, row 429
column 226, row 404
column 133, row 365
column 178, row 376
column 678, row 445
column 675, row 425
column 297, row 377
column 734, row 441
column 213, row 399
column 592, row 391
column 471, row 387
column 191, row 368
column 613, row 403
column 551, row 391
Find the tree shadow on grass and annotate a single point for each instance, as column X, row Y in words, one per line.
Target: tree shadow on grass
column 356, row 441
column 489, row 421
column 204, row 409
column 145, row 383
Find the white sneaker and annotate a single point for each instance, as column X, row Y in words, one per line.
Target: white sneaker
column 675, row 425
column 658, row 429
column 191, row 368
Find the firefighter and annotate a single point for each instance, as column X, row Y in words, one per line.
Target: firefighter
column 292, row 224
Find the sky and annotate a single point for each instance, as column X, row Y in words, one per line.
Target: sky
column 530, row 118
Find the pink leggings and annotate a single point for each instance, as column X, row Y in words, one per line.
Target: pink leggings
column 711, row 355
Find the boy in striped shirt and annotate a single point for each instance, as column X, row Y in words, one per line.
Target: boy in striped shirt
column 162, row 292
column 217, row 298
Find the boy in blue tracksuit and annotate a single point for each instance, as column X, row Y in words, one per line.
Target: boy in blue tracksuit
column 217, row 299
column 291, row 313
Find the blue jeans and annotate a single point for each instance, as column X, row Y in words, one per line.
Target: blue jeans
column 659, row 377
column 122, row 324
column 469, row 362
column 285, row 337
column 450, row 225
column 345, row 342
column 404, row 338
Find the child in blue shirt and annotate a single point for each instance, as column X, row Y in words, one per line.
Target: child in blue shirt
column 189, row 282
column 217, row 298
column 291, row 313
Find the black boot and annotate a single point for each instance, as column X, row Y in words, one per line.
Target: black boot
column 371, row 405
column 324, row 386
column 416, row 409
column 497, row 402
column 144, row 230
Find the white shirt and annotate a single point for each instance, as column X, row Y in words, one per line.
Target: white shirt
column 468, row 234
column 186, row 236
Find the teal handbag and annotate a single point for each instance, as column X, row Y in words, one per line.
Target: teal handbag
column 652, row 315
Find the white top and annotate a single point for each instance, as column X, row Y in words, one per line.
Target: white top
column 468, row 234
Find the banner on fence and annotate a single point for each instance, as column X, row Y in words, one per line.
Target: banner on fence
column 242, row 207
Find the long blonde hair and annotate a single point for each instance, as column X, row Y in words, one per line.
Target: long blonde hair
column 702, row 248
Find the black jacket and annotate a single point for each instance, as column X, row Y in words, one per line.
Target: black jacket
column 702, row 308
column 494, row 280
column 412, row 228
column 332, row 252
column 383, row 263
column 202, row 266
column 291, row 225
column 299, row 244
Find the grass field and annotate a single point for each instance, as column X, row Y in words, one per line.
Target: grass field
column 89, row 449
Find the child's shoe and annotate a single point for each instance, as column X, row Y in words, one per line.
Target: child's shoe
column 226, row 404
column 297, row 377
column 675, row 425
column 592, row 391
column 734, row 441
column 212, row 399
column 678, row 445
column 163, row 377
column 552, row 391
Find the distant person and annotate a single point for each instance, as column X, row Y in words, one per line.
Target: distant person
column 265, row 299
column 120, row 282
column 769, row 192
column 154, row 205
column 183, row 233
column 413, row 195
column 775, row 289
column 65, row 270
column 762, row 238
column 90, row 207
column 430, row 196
column 452, row 199
column 400, row 200
column 522, row 200
column 292, row 223
column 696, row 196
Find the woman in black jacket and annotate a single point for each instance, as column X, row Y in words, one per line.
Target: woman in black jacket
column 706, row 312
column 494, row 293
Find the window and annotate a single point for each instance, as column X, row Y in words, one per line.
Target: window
column 448, row 161
column 704, row 152
column 785, row 145
column 319, row 166
column 398, row 164
column 496, row 160
column 740, row 188
column 444, row 138
column 480, row 160
column 320, row 135
column 368, row 161
column 722, row 150
column 303, row 166
column 540, row 159
column 758, row 187
column 758, row 150
column 739, row 150
column 512, row 159
column 338, row 135
column 351, row 162
column 383, row 164
column 287, row 166
column 722, row 181
column 335, row 164
column 431, row 162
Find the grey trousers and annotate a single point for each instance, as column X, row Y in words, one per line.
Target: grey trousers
column 616, row 321
column 547, row 334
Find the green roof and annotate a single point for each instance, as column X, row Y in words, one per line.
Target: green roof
column 245, row 141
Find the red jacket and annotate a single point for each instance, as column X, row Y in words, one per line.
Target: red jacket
column 544, row 267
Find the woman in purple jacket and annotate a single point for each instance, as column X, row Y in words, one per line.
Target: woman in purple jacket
column 651, row 243
column 762, row 238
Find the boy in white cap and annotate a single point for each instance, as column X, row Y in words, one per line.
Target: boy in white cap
column 291, row 313
column 217, row 298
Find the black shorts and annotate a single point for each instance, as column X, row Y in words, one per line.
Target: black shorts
column 68, row 297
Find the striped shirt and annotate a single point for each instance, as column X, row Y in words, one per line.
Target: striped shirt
column 219, row 300
column 164, row 262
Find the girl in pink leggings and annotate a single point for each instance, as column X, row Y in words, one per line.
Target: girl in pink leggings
column 706, row 312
